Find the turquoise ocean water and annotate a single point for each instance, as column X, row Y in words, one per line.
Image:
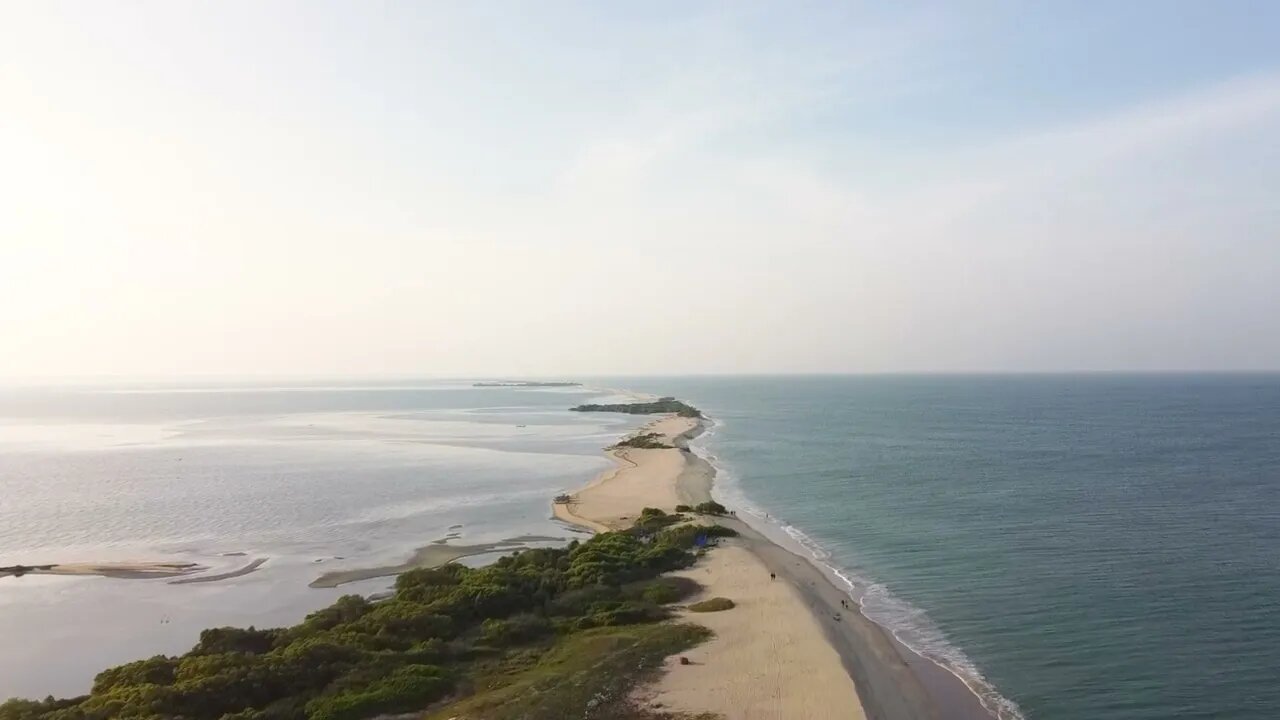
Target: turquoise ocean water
column 1098, row 547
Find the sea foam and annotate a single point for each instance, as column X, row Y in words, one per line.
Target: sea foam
column 908, row 624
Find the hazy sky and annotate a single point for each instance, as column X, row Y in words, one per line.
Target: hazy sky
column 528, row 188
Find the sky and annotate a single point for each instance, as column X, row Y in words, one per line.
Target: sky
column 564, row 188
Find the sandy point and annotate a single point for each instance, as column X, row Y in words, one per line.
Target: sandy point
column 769, row 659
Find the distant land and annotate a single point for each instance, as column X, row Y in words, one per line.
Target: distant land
column 525, row 384
column 657, row 407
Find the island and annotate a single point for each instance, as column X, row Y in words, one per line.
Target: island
column 524, row 384
column 661, row 406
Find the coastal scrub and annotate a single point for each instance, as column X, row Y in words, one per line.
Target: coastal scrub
column 715, row 604
column 556, row 617
column 657, row 407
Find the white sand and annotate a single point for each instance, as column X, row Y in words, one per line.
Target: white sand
column 642, row 478
column 769, row 658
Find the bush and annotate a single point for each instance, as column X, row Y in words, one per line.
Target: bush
column 644, row 441
column 666, row 590
column 652, row 520
column 626, row 613
column 715, row 604
column 157, row 670
column 412, row 687
column 686, row 536
column 356, row 658
column 515, row 630
column 711, row 507
column 683, row 508
column 230, row 639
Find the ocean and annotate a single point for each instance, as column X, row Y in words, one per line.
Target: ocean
column 1100, row 547
column 313, row 477
column 1088, row 547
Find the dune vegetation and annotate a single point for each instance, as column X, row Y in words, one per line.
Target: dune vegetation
column 715, row 604
column 542, row 633
column 643, row 441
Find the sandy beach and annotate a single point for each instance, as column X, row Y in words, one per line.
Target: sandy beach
column 641, row 478
column 770, row 657
column 791, row 649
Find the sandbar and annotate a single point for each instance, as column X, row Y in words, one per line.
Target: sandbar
column 434, row 555
column 770, row 657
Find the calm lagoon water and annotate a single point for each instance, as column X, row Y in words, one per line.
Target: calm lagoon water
column 314, row 478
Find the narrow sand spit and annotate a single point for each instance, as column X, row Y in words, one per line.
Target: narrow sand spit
column 642, row 478
column 770, row 659
column 118, row 570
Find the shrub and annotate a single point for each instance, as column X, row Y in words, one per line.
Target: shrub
column 356, row 658
column 715, row 604
column 686, row 536
column 412, row 687
column 580, row 601
column 644, row 441
column 666, row 590
column 683, row 508
column 652, row 520
column 515, row 630
column 230, row 639
column 626, row 613
column 711, row 507
column 156, row 670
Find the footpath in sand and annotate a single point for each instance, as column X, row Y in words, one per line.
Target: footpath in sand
column 769, row 659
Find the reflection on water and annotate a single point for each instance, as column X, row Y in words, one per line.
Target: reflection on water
column 313, row 479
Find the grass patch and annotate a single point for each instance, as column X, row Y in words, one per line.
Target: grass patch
column 588, row 674
column 715, row 604
column 664, row 590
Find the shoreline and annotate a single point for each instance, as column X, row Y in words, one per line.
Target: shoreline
column 438, row 553
column 892, row 681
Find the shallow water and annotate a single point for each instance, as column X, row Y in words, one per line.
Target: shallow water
column 315, row 478
column 1102, row 547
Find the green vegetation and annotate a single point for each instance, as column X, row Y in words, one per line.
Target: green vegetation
column 652, row 520
column 657, row 407
column 587, row 675
column 715, row 604
column 667, row 590
column 688, row 534
column 543, row 633
column 644, row 441
column 710, row 507
column 683, row 508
